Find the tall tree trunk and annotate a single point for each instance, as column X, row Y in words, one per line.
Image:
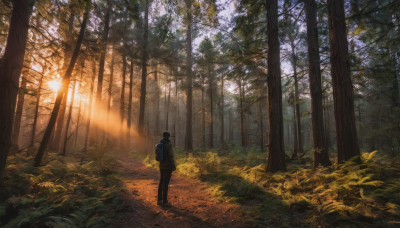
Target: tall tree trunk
column 203, row 116
column 295, row 134
column 36, row 112
column 63, row 90
column 165, row 106
column 327, row 123
column 103, row 52
column 110, row 84
column 222, row 133
column 10, row 71
column 18, row 113
column 176, row 113
column 359, row 123
column 296, row 98
column 320, row 146
column 130, row 102
column 144, row 70
column 80, row 104
column 122, row 104
column 241, row 111
column 168, row 103
column 261, row 123
column 211, row 93
column 55, row 143
column 189, row 92
column 71, row 106
column 78, row 122
column 89, row 115
column 230, row 126
column 157, row 112
column 276, row 157
column 346, row 134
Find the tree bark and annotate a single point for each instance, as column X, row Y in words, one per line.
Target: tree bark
column 130, row 102
column 327, row 123
column 144, row 70
column 157, row 112
column 320, row 147
column 55, row 143
column 261, row 123
column 80, row 104
column 18, row 113
column 122, row 104
column 63, row 90
column 241, row 111
column 276, row 157
column 176, row 113
column 211, row 94
column 222, row 133
column 346, row 134
column 189, row 89
column 89, row 116
column 296, row 98
column 10, row 71
column 230, row 126
column 110, row 84
column 168, row 103
column 36, row 112
column 203, row 115
column 71, row 106
column 103, row 52
column 78, row 122
column 295, row 135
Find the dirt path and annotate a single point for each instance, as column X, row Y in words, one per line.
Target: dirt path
column 193, row 205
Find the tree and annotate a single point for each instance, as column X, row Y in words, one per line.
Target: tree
column 192, row 11
column 10, row 71
column 129, row 119
column 207, row 62
column 90, row 106
column 276, row 157
column 189, row 88
column 55, row 142
column 103, row 52
column 18, row 112
column 64, row 89
column 66, row 136
column 122, row 99
column 346, row 133
column 144, row 69
column 374, row 60
column 293, row 34
column 36, row 113
column 320, row 148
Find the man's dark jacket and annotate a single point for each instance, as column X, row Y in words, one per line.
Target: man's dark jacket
column 169, row 162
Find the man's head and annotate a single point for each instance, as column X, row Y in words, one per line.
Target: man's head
column 166, row 135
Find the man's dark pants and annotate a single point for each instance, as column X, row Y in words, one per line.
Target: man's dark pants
column 165, row 177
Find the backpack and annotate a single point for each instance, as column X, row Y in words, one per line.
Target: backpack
column 160, row 152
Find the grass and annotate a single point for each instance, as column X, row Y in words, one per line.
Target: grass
column 62, row 193
column 347, row 195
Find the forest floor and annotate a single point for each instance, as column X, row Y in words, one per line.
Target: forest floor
column 229, row 188
column 213, row 188
column 192, row 204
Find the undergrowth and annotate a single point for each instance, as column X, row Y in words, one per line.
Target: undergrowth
column 62, row 193
column 365, row 194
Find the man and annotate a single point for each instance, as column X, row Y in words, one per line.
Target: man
column 167, row 165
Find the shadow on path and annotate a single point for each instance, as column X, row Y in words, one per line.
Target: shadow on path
column 193, row 205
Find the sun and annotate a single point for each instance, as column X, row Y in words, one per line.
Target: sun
column 54, row 84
